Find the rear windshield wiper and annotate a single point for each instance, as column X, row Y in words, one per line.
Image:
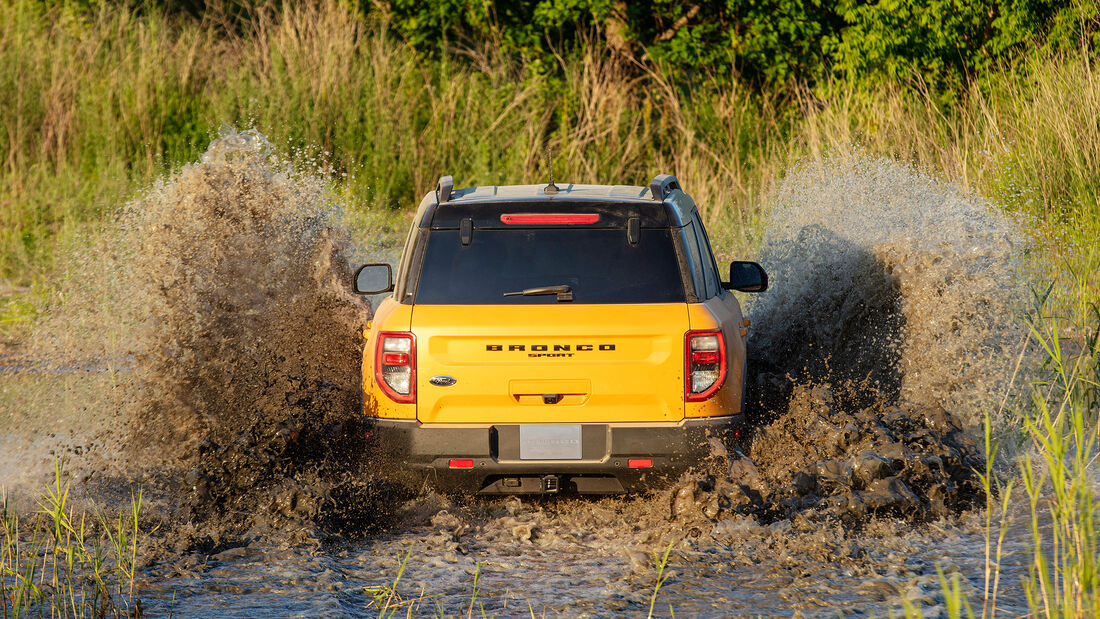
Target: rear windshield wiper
column 565, row 293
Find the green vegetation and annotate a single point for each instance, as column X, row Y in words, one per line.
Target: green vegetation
column 1002, row 98
column 68, row 564
column 1057, row 467
column 660, row 562
column 1058, row 472
column 100, row 100
column 773, row 42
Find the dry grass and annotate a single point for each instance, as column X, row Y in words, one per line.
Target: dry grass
column 98, row 105
column 101, row 104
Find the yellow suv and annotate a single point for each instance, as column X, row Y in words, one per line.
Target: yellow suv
column 544, row 338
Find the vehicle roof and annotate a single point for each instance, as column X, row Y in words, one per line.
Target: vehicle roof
column 570, row 191
column 677, row 204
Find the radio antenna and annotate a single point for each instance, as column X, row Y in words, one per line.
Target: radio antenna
column 551, row 188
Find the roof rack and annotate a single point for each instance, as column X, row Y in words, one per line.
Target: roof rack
column 443, row 189
column 662, row 185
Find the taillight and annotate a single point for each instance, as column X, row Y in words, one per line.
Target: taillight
column 395, row 365
column 704, row 364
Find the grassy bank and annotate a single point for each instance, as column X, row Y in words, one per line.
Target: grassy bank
column 101, row 102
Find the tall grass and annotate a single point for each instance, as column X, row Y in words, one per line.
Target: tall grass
column 1026, row 137
column 65, row 563
column 99, row 103
column 1059, row 475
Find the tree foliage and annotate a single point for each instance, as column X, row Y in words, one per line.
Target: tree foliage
column 769, row 42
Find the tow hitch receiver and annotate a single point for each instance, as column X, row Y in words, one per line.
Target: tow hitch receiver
column 551, row 484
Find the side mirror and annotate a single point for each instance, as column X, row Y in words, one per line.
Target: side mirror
column 374, row 279
column 746, row 277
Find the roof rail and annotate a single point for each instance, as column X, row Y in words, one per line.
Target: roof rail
column 443, row 189
column 662, row 185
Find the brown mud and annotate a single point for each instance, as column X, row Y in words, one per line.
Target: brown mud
column 219, row 300
column 207, row 348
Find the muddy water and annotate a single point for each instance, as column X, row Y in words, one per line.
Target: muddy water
column 210, row 355
column 598, row 565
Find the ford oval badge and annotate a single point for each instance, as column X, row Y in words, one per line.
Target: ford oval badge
column 442, row 380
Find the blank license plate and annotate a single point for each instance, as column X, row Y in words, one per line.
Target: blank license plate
column 550, row 442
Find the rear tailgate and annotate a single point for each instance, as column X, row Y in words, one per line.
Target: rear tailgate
column 558, row 363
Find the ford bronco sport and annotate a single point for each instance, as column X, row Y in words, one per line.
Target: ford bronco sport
column 542, row 339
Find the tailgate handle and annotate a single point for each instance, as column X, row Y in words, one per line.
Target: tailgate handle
column 549, row 387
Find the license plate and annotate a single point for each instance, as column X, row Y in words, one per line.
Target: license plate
column 550, row 442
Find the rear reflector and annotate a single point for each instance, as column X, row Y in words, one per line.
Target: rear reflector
column 704, row 356
column 639, row 463
column 395, row 358
column 549, row 218
column 461, row 464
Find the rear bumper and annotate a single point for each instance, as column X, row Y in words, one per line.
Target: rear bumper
column 417, row 451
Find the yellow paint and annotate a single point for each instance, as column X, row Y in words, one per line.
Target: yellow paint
column 620, row 363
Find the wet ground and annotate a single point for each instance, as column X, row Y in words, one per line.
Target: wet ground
column 795, row 532
column 597, row 565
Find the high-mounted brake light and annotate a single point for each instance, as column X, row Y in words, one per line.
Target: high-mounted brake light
column 704, row 364
column 395, row 365
column 549, row 218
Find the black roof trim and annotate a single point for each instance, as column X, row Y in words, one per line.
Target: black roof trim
column 662, row 185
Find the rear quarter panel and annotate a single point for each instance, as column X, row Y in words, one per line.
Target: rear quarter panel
column 390, row 316
column 721, row 312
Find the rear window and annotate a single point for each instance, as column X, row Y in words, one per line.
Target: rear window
column 598, row 264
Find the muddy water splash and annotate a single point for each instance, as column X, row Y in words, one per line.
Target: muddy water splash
column 224, row 300
column 886, row 274
column 221, row 351
column 890, row 330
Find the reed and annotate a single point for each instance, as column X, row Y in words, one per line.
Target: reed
column 68, row 563
column 1058, row 474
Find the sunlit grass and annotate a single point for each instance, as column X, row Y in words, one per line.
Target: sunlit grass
column 98, row 105
column 102, row 102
